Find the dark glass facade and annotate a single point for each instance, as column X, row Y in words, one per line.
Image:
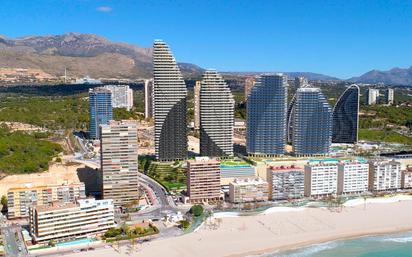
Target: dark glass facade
column 100, row 109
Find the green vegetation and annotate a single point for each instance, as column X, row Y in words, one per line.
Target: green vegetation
column 170, row 176
column 234, row 163
column 384, row 136
column 24, row 153
column 3, row 200
column 196, row 210
column 379, row 116
column 185, row 224
column 125, row 233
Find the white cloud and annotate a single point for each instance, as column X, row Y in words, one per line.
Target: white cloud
column 104, row 9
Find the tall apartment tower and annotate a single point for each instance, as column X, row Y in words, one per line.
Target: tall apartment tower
column 291, row 114
column 100, row 109
column 197, row 105
column 346, row 117
column 217, row 107
column 169, row 105
column 312, row 131
column 148, row 98
column 388, row 96
column 300, row 81
column 372, row 96
column 249, row 83
column 266, row 116
column 118, row 153
column 122, row 96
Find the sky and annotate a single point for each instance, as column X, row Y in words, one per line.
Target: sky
column 338, row 38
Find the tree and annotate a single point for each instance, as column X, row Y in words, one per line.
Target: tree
column 196, row 210
column 52, row 243
column 4, row 201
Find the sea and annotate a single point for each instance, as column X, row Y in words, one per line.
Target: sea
column 394, row 245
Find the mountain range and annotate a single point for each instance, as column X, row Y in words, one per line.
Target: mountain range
column 94, row 56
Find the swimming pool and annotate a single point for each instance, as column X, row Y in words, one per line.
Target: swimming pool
column 76, row 242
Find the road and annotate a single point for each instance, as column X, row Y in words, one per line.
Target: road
column 14, row 245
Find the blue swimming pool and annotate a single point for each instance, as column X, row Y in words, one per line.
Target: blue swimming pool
column 76, row 242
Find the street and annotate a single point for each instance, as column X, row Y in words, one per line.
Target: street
column 14, row 245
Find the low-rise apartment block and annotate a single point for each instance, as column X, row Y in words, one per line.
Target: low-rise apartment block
column 203, row 180
column 384, row 175
column 20, row 199
column 62, row 221
column 248, row 190
column 285, row 182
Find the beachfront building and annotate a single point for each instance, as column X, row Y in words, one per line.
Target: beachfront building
column 285, row 182
column 229, row 171
column 372, row 96
column 346, row 117
column 203, row 180
column 266, row 116
column 249, row 83
column 100, row 109
column 169, row 105
column 312, row 130
column 217, row 108
column 67, row 221
column 248, row 190
column 406, row 180
column 122, row 96
column 20, row 199
column 148, row 98
column 388, row 96
column 384, row 175
column 353, row 177
column 321, row 179
column 119, row 155
column 291, row 115
column 196, row 104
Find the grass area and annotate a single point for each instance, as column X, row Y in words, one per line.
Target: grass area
column 173, row 178
column 234, row 163
column 385, row 136
column 126, row 233
column 24, row 153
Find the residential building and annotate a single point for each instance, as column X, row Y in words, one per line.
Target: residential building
column 321, row 179
column 353, row 177
column 122, row 96
column 197, row 105
column 384, row 175
column 67, row 221
column 406, row 180
column 203, row 180
column 346, row 117
column 249, row 83
column 100, row 109
column 285, row 182
column 266, row 116
column 388, row 96
column 300, row 82
column 169, row 105
column 248, row 190
column 148, row 98
column 312, row 130
column 119, row 161
column 217, row 108
column 372, row 96
column 291, row 116
column 20, row 199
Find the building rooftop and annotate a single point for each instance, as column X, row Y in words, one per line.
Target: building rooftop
column 285, row 168
column 249, row 181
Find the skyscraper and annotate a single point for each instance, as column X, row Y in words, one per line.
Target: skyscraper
column 169, row 105
column 346, row 117
column 216, row 116
column 148, row 98
column 119, row 154
column 122, row 96
column 197, row 105
column 291, row 115
column 388, row 96
column 312, row 131
column 100, row 109
column 266, row 116
column 372, row 96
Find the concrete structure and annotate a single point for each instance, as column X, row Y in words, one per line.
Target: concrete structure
column 312, row 130
column 249, row 83
column 346, row 117
column 20, row 199
column 300, row 82
column 122, row 96
column 285, row 182
column 100, row 109
column 148, row 98
column 217, row 108
column 169, row 105
column 384, row 175
column 266, row 116
column 248, row 190
column 353, row 177
column 321, row 179
column 406, row 180
column 228, row 173
column 203, row 180
column 372, row 96
column 67, row 221
column 119, row 165
column 197, row 105
column 388, row 96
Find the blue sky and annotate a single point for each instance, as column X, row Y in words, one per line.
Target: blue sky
column 339, row 38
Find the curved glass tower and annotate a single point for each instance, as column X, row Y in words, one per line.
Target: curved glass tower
column 312, row 131
column 266, row 116
column 169, row 104
column 216, row 116
column 346, row 117
column 291, row 112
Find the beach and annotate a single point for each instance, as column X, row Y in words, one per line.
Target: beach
column 280, row 229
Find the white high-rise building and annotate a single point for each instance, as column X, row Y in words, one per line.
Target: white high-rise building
column 122, row 96
column 321, row 179
column 216, row 116
column 384, row 175
column 372, row 96
column 197, row 105
column 169, row 105
column 353, row 177
column 148, row 98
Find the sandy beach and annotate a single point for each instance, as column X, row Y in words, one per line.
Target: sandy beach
column 281, row 229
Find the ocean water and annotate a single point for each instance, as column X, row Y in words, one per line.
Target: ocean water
column 396, row 245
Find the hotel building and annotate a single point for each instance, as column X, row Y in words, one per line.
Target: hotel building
column 119, row 161
column 353, row 177
column 286, row 182
column 122, row 96
column 148, row 98
column 321, row 179
column 67, row 221
column 248, row 190
column 169, row 104
column 384, row 175
column 100, row 109
column 20, row 199
column 203, row 180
